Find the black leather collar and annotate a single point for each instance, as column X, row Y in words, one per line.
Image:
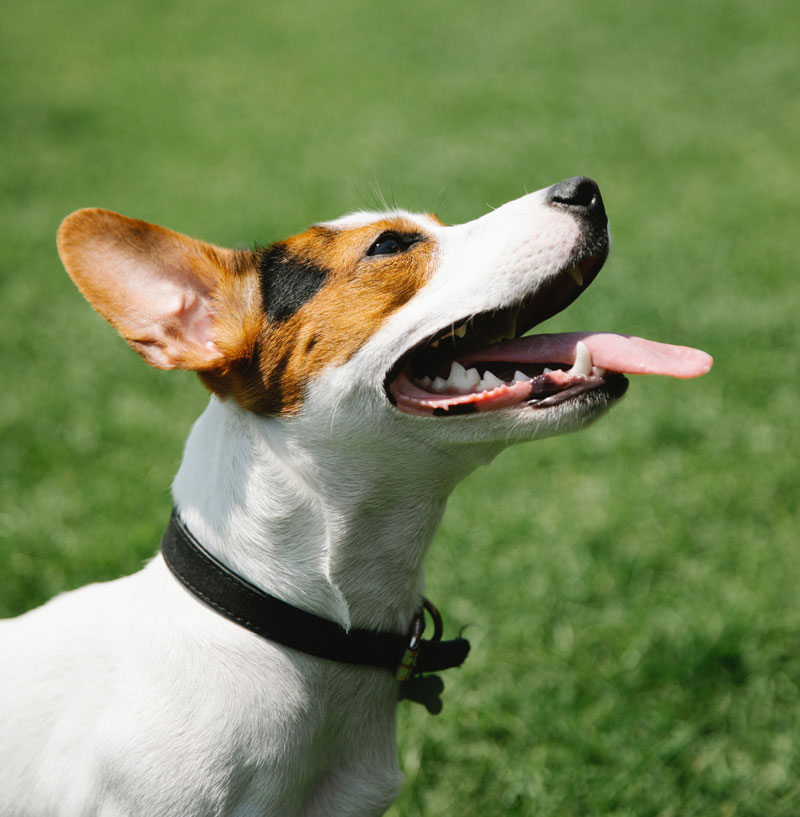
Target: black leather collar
column 268, row 616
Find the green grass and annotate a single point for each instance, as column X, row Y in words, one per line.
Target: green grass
column 631, row 592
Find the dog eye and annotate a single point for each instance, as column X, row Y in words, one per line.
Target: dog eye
column 388, row 244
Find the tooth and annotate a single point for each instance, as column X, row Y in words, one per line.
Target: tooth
column 490, row 381
column 434, row 343
column 456, row 370
column 456, row 375
column 425, row 382
column 459, row 331
column 598, row 371
column 576, row 275
column 546, row 370
column 439, row 384
column 583, row 361
column 461, row 380
column 511, row 329
column 518, row 375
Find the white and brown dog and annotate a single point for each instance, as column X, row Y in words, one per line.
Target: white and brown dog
column 358, row 371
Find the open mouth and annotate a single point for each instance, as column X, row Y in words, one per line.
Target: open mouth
column 484, row 364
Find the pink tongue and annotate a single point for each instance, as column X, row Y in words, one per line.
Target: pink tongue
column 617, row 353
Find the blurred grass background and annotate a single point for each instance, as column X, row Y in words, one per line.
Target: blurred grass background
column 631, row 592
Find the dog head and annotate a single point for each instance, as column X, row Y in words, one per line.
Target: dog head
column 379, row 321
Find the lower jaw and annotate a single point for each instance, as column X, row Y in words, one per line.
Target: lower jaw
column 591, row 393
column 606, row 389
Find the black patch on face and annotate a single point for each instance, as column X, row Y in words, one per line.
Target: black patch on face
column 287, row 282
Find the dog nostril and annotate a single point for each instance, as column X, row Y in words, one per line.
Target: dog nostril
column 582, row 196
column 579, row 191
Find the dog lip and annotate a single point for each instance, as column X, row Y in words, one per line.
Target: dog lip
column 614, row 385
column 539, row 393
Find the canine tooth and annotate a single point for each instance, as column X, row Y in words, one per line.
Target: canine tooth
column 583, row 361
column 509, row 330
column 576, row 275
column 518, row 375
column 439, row 384
column 598, row 371
column 490, row 381
column 461, row 330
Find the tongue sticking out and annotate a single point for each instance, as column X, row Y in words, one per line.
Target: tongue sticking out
column 593, row 354
column 616, row 353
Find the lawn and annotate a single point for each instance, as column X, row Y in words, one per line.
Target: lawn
column 631, row 592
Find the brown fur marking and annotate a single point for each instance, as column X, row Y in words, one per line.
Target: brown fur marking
column 359, row 294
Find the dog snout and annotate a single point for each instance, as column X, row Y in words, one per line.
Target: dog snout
column 581, row 196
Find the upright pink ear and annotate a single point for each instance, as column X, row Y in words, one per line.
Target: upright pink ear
column 155, row 286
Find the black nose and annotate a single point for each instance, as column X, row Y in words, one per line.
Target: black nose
column 581, row 195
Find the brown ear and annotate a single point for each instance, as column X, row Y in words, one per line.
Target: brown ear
column 158, row 288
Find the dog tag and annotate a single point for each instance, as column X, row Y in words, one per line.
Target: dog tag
column 424, row 689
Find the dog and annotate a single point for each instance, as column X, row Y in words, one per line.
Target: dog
column 357, row 372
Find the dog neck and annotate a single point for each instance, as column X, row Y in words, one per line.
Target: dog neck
column 341, row 532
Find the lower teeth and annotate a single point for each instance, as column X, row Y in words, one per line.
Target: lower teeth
column 469, row 381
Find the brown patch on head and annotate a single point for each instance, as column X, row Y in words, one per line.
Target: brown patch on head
column 324, row 296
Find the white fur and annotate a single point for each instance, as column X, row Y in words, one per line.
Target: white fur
column 132, row 697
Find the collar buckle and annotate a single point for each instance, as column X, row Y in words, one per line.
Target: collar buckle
column 409, row 660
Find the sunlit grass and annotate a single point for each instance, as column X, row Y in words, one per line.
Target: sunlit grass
column 630, row 591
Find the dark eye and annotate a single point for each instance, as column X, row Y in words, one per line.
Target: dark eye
column 388, row 244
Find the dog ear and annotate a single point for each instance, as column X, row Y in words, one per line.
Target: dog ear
column 166, row 294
